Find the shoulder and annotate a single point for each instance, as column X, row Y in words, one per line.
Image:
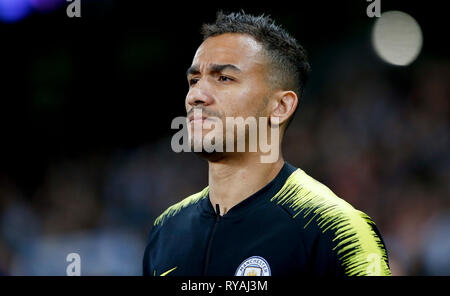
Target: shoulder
column 180, row 206
column 302, row 195
column 351, row 234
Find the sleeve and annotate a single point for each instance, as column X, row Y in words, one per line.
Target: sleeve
column 146, row 264
column 351, row 246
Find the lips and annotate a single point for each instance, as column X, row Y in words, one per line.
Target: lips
column 194, row 118
column 200, row 117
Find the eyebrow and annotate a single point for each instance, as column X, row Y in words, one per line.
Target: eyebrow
column 214, row 68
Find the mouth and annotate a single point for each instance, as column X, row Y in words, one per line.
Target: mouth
column 193, row 119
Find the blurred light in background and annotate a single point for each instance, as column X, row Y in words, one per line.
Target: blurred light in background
column 46, row 5
column 14, row 10
column 397, row 38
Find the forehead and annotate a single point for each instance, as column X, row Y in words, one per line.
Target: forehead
column 230, row 48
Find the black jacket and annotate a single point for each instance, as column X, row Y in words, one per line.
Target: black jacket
column 294, row 225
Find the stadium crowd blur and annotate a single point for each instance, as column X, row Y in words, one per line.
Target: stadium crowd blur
column 377, row 135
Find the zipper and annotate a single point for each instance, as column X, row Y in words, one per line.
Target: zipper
column 211, row 237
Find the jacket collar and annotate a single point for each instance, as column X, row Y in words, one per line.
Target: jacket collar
column 251, row 202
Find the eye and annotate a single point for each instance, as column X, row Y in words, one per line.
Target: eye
column 193, row 81
column 224, row 78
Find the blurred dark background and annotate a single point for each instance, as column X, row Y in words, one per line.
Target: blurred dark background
column 86, row 105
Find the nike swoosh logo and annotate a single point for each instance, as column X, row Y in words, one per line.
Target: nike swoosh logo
column 167, row 272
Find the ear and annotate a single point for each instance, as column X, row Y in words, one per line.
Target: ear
column 286, row 103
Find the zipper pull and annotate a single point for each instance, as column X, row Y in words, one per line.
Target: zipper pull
column 217, row 212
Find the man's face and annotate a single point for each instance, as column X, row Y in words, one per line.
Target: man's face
column 228, row 78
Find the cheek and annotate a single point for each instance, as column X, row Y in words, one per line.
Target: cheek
column 244, row 102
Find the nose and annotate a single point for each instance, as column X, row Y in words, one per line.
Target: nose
column 198, row 96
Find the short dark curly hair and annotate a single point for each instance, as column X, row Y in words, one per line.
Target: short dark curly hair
column 288, row 58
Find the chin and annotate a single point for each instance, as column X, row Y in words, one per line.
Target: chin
column 208, row 154
column 211, row 156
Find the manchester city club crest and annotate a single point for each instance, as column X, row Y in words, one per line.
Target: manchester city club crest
column 253, row 266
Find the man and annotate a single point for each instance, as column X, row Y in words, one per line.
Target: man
column 255, row 217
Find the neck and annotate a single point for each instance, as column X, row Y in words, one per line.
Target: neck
column 233, row 179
